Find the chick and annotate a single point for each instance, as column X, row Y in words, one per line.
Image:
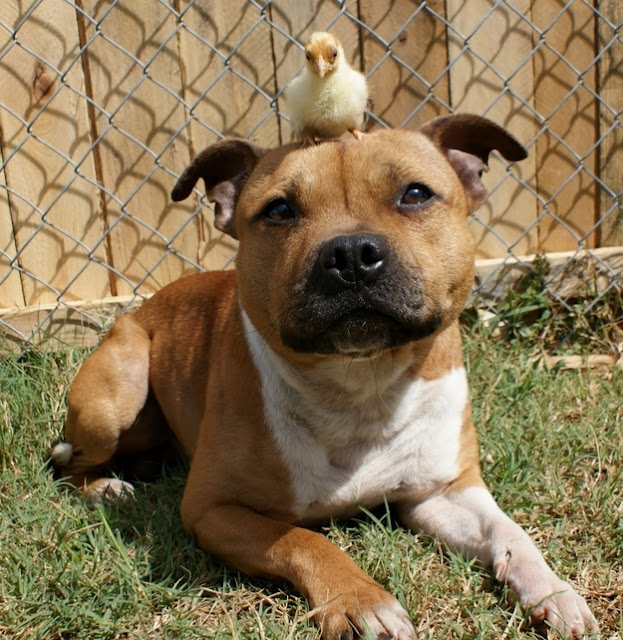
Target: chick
column 329, row 97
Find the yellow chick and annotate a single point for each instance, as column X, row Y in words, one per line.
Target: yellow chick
column 329, row 97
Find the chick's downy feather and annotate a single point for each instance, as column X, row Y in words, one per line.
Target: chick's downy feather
column 329, row 97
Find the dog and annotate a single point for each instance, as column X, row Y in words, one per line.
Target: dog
column 323, row 374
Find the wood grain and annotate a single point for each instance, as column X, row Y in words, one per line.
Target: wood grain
column 220, row 45
column 130, row 60
column 410, row 86
column 565, row 79
column 226, row 55
column 55, row 220
column 485, row 79
column 610, row 71
column 11, row 293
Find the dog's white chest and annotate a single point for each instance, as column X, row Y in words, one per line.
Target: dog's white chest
column 407, row 452
column 356, row 447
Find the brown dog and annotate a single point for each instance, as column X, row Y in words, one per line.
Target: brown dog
column 324, row 374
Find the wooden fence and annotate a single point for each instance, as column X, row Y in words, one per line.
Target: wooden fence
column 103, row 103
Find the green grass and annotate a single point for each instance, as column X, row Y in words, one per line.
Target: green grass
column 551, row 454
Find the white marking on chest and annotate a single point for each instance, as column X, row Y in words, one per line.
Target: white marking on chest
column 354, row 432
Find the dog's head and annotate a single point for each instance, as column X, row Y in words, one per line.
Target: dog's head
column 353, row 246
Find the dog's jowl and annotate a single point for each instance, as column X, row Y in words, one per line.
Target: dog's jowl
column 323, row 374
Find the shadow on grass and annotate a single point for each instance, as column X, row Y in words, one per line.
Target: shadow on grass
column 151, row 524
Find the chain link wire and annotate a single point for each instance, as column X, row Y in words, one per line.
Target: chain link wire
column 85, row 171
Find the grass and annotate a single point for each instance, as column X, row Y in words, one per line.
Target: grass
column 551, row 453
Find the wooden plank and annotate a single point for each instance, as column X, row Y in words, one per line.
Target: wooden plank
column 221, row 42
column 56, row 209
column 565, row 79
column 11, row 293
column 493, row 77
column 82, row 323
column 134, row 74
column 300, row 19
column 572, row 274
column 226, row 55
column 416, row 38
column 610, row 71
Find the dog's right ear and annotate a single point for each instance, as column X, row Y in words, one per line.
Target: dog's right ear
column 224, row 167
column 467, row 140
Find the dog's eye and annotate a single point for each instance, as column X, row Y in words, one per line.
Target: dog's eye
column 416, row 194
column 278, row 212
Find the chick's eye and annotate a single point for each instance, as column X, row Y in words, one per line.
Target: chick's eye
column 416, row 194
column 278, row 212
column 334, row 54
column 308, row 55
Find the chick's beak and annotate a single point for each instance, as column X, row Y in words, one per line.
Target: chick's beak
column 321, row 68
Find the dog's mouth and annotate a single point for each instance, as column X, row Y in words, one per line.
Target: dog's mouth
column 359, row 332
column 358, row 299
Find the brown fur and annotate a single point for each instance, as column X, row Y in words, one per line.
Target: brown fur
column 181, row 364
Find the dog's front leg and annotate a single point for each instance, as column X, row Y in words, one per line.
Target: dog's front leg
column 348, row 602
column 470, row 521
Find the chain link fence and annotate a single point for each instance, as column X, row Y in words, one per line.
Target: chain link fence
column 102, row 105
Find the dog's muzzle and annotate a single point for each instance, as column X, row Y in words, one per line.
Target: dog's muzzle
column 357, row 299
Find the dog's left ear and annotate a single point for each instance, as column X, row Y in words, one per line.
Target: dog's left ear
column 467, row 140
column 224, row 167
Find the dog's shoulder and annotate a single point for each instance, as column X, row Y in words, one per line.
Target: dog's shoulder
column 195, row 294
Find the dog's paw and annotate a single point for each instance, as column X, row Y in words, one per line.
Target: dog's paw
column 369, row 613
column 564, row 610
column 108, row 489
column 550, row 601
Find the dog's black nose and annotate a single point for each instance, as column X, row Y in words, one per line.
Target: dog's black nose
column 350, row 261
